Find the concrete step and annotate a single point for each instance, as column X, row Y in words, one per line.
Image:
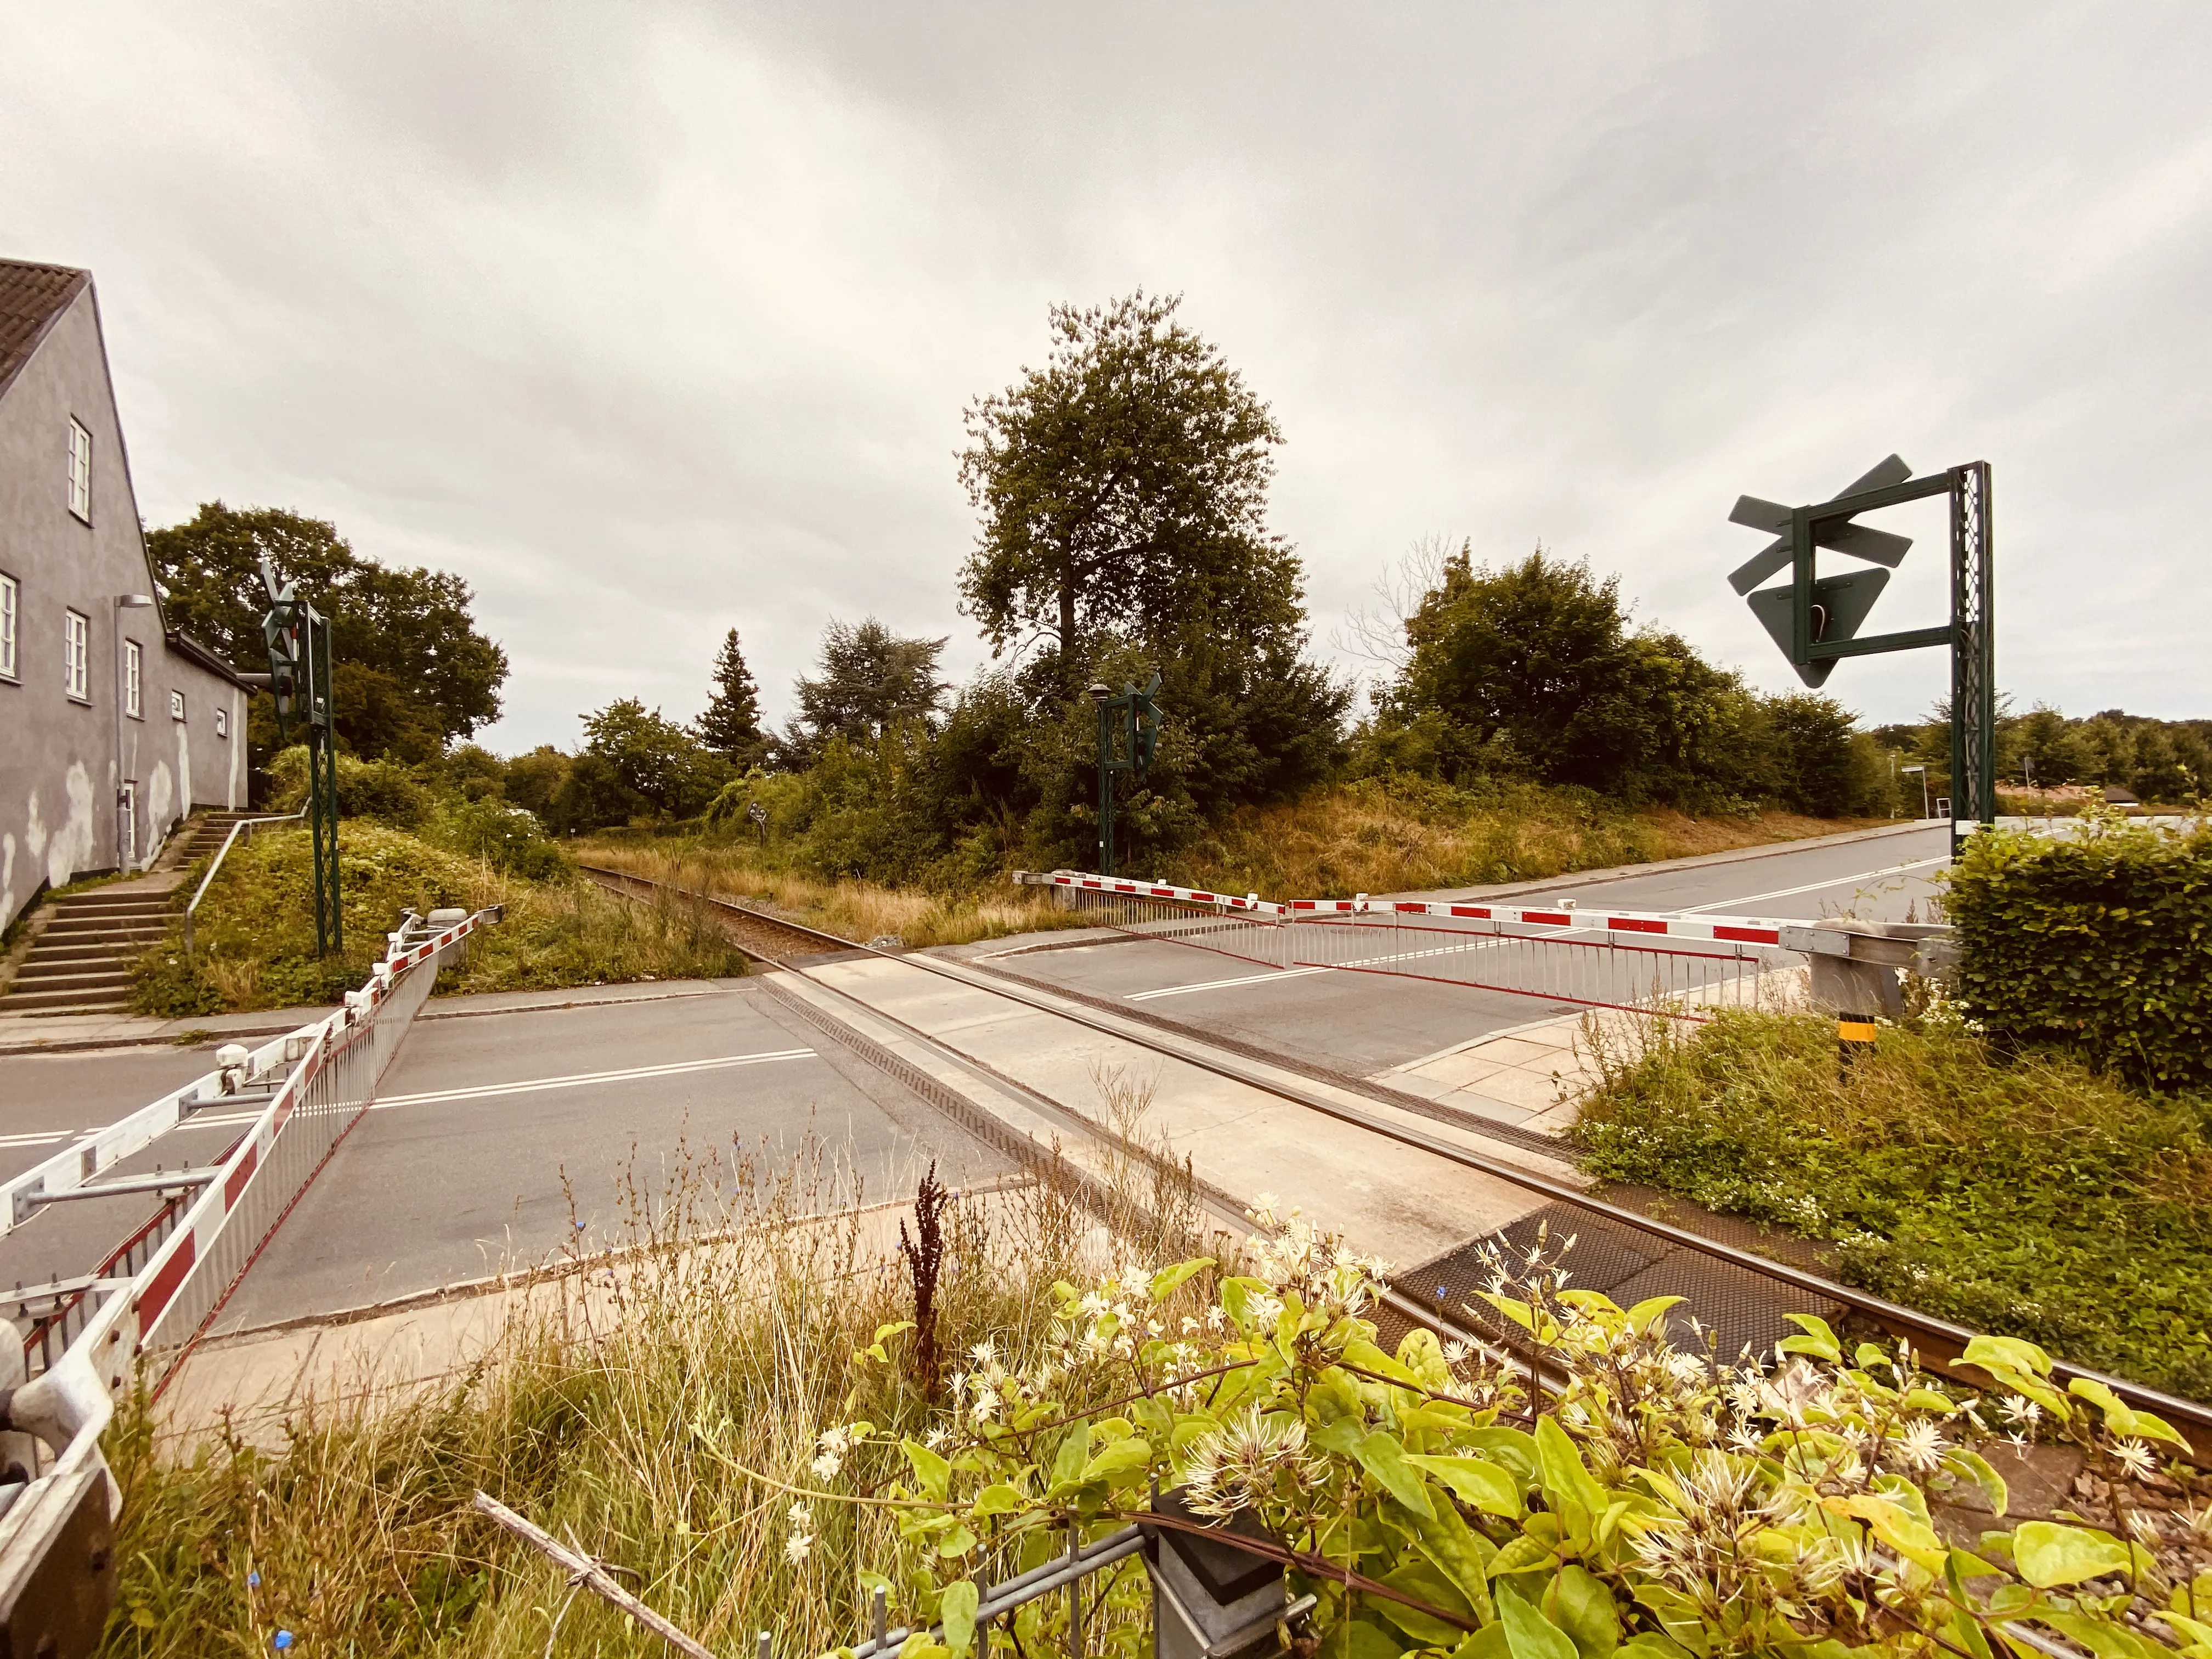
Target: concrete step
column 124, row 938
column 43, row 951
column 111, row 899
column 154, row 904
column 89, row 999
column 106, row 977
column 44, row 968
column 68, row 922
column 35, row 968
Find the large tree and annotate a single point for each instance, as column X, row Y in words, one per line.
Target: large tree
column 730, row 726
column 652, row 756
column 1532, row 667
column 870, row 679
column 1122, row 489
column 412, row 669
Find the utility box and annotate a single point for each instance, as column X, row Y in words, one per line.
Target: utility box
column 1857, row 965
column 1210, row 1599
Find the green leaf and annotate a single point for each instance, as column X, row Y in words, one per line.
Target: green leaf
column 1651, row 1645
column 1515, row 1448
column 1528, row 1633
column 1818, row 1340
column 1418, row 1578
column 1648, row 1312
column 2103, row 1637
column 1521, row 1554
column 2049, row 1554
column 934, row 1474
column 1475, row 1481
column 2120, row 1418
column 1567, row 1481
column 1074, row 1453
column 1460, row 1553
column 1119, row 1458
column 998, row 1498
column 1382, row 1457
column 1979, row 1469
column 1168, row 1280
column 956, row 1611
column 1362, row 1638
column 957, row 1541
column 1577, row 1602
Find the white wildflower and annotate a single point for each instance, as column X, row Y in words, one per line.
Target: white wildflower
column 2024, row 1411
column 1190, row 1326
column 1919, row 1446
column 2136, row 1459
column 983, row 1406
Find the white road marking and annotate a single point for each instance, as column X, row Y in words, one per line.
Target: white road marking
column 1816, row 886
column 1224, row 984
column 579, row 1080
column 42, row 1137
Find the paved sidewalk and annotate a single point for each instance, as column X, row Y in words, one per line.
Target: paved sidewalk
column 1532, row 1076
column 33, row 1033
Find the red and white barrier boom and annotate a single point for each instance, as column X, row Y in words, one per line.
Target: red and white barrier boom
column 137, row 1313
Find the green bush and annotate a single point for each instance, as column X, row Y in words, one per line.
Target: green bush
column 378, row 789
column 2033, row 1198
column 510, row 839
column 2099, row 942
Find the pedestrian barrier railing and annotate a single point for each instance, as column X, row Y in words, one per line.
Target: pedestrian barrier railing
column 243, row 829
column 129, row 1319
column 1555, row 952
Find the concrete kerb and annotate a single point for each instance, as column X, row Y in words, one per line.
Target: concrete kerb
column 135, row 1031
column 249, row 1381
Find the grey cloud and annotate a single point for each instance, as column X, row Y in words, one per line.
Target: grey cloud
column 652, row 321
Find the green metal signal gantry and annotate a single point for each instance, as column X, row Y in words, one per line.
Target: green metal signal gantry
column 1815, row 619
column 299, row 638
column 1128, row 733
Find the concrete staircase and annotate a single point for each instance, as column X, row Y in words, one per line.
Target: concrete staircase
column 81, row 955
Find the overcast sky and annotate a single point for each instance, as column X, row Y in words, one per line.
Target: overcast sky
column 651, row 321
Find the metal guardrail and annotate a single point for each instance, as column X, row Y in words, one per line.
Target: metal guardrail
column 248, row 825
column 138, row 1313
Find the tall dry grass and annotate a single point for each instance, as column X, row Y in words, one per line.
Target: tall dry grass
column 852, row 910
column 1391, row 837
column 727, row 1341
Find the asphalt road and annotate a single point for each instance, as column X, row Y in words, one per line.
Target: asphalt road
column 1365, row 1023
column 501, row 1139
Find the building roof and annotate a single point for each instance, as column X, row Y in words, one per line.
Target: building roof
column 31, row 298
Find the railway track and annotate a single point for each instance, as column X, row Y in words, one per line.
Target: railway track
column 1707, row 1270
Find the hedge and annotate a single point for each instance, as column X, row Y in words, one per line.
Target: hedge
column 2098, row 941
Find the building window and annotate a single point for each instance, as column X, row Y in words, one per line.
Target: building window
column 176, row 705
column 12, row 598
column 223, row 722
column 79, row 472
column 77, row 656
column 134, row 662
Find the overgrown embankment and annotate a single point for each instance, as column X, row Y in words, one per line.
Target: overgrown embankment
column 1397, row 833
column 255, row 931
column 2028, row 1196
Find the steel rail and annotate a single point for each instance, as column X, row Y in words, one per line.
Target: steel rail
column 2194, row 1415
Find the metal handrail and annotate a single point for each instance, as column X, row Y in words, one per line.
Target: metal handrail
column 247, row 824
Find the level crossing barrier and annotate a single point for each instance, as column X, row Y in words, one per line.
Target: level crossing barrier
column 133, row 1317
column 1626, row 959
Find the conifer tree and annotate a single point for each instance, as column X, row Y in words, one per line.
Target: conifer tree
column 730, row 726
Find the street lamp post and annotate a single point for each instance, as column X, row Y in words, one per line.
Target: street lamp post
column 1926, row 807
column 1100, row 691
column 126, row 812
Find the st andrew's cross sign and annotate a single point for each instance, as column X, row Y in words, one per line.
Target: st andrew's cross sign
column 1816, row 619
